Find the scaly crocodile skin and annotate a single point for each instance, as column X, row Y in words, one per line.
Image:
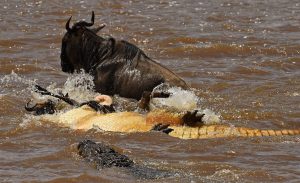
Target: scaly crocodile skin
column 215, row 131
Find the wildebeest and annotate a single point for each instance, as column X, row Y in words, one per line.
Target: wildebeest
column 118, row 67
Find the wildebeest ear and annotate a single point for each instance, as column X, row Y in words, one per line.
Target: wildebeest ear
column 95, row 30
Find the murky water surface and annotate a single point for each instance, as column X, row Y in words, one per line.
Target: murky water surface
column 241, row 57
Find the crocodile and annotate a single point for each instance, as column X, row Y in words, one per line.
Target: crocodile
column 103, row 156
column 85, row 118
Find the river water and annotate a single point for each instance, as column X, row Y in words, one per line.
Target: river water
column 241, row 57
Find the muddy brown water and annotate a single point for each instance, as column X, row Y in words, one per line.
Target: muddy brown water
column 242, row 58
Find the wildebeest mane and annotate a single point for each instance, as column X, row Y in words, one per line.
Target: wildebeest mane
column 97, row 50
column 94, row 49
column 131, row 50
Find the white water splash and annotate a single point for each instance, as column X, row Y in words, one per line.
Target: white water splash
column 80, row 87
column 29, row 120
column 180, row 100
column 14, row 77
column 183, row 100
column 224, row 175
column 210, row 117
column 8, row 82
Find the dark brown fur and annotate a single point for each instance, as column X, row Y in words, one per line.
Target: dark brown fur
column 118, row 67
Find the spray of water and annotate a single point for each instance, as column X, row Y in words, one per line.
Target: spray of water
column 80, row 87
column 8, row 84
column 182, row 100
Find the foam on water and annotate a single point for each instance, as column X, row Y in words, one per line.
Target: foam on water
column 9, row 80
column 182, row 100
column 29, row 120
column 80, row 87
column 14, row 77
column 224, row 175
column 210, row 117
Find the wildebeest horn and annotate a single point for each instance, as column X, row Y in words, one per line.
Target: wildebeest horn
column 92, row 21
column 68, row 25
column 30, row 108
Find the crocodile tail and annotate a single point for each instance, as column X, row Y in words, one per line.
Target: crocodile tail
column 247, row 132
column 202, row 132
column 215, row 131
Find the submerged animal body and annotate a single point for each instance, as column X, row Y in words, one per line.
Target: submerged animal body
column 85, row 118
column 117, row 66
column 103, row 156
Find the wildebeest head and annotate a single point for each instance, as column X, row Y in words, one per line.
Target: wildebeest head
column 71, row 56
